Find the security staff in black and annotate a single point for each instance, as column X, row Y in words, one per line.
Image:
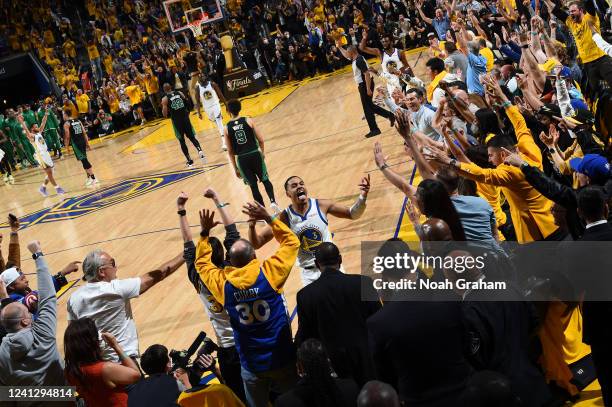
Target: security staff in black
column 173, row 105
column 365, row 83
column 245, row 147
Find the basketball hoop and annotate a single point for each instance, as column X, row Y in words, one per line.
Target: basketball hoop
column 196, row 28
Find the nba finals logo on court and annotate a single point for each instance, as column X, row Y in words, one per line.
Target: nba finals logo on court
column 112, row 195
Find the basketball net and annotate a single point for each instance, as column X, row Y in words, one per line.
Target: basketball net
column 196, row 28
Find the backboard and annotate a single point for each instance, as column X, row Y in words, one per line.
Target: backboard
column 181, row 12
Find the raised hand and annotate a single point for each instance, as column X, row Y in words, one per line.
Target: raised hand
column 71, row 267
column 413, row 213
column 256, row 211
column 402, row 123
column 547, row 139
column 110, row 340
column 513, row 158
column 181, row 200
column 210, row 193
column 379, row 157
column 364, row 186
column 207, row 221
column 34, row 246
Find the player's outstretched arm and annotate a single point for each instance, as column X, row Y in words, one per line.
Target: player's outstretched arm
column 348, row 212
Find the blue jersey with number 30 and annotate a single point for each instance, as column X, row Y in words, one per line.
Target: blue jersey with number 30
column 262, row 330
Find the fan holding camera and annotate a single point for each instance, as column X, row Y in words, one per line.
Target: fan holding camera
column 173, row 379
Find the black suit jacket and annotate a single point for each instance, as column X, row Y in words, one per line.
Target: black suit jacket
column 418, row 347
column 597, row 315
column 330, row 310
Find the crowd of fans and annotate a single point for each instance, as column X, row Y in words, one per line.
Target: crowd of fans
column 511, row 139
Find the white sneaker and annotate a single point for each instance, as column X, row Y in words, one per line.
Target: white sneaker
column 89, row 182
column 189, row 164
column 11, row 180
column 96, row 182
column 202, row 156
column 275, row 208
column 5, row 179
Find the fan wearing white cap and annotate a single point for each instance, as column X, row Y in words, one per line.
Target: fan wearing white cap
column 28, row 352
column 18, row 285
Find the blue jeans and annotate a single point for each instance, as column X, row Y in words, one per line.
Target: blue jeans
column 257, row 386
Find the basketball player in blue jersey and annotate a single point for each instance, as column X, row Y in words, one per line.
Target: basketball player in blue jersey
column 252, row 293
column 307, row 218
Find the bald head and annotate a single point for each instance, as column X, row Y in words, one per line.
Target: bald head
column 241, row 253
column 436, row 230
column 15, row 317
column 377, row 394
column 461, row 95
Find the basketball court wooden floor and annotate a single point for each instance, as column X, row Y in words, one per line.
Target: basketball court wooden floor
column 313, row 129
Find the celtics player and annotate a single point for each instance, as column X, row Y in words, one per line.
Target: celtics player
column 174, row 104
column 245, row 147
column 52, row 129
column 76, row 136
column 308, row 219
column 25, row 150
column 210, row 97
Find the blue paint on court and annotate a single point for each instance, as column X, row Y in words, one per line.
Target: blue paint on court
column 94, row 201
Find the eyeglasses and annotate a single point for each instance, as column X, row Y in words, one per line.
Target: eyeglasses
column 111, row 264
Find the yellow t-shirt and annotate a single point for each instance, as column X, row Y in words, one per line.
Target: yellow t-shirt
column 82, row 103
column 587, row 49
column 48, row 37
column 212, row 395
column 118, row 35
column 92, row 51
column 108, row 64
column 134, row 94
column 71, row 109
column 151, row 84
column 338, row 35
column 488, row 54
column 69, row 48
column 113, row 105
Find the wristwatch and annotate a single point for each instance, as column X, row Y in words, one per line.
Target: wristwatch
column 384, row 166
column 181, row 212
column 551, row 150
column 37, row 255
column 453, row 163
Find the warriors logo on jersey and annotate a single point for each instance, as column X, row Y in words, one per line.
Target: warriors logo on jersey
column 391, row 66
column 310, row 239
column 207, row 95
column 214, row 306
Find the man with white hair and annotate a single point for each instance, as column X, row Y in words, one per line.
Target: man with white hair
column 28, row 353
column 106, row 299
